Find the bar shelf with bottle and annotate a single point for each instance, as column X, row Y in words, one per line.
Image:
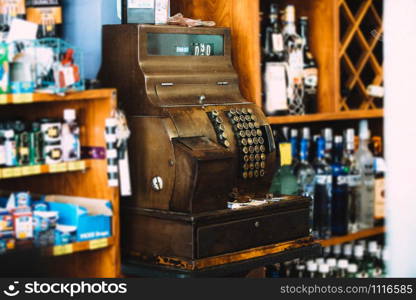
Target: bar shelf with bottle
column 353, row 236
column 24, row 171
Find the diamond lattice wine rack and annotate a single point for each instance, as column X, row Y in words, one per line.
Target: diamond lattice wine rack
column 360, row 52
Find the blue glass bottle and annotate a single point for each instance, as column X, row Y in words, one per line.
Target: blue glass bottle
column 339, row 191
column 294, row 140
column 323, row 193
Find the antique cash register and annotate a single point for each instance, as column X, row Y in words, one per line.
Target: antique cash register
column 202, row 156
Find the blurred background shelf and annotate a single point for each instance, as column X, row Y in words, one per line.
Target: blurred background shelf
column 16, row 172
column 352, row 237
column 326, row 117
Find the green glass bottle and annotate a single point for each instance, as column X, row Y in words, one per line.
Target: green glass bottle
column 284, row 181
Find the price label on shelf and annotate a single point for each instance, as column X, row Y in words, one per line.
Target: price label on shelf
column 97, row 244
column 31, row 170
column 76, row 166
column 58, row 168
column 22, row 98
column 63, row 250
column 11, row 172
column 3, row 99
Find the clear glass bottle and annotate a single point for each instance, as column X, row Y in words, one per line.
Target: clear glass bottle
column 328, row 135
column 305, row 175
column 365, row 163
column 339, row 204
column 354, row 180
column 323, row 193
column 294, row 47
column 275, row 67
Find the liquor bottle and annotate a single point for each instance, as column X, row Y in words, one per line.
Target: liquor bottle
column 323, row 271
column 379, row 185
column 359, row 261
column 275, row 67
column 372, row 262
column 337, row 251
column 365, row 163
column 332, row 264
column 310, row 69
column 323, row 194
column 294, row 140
column 354, row 180
column 339, row 191
column 347, row 251
column 284, row 181
column 327, row 252
column 306, row 178
column 312, row 269
column 294, row 47
column 71, row 148
column 328, row 136
column 342, row 268
column 352, row 271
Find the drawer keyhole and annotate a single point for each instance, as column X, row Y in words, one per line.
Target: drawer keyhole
column 257, row 224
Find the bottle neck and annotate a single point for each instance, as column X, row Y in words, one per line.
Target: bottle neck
column 320, row 149
column 304, row 34
column 338, row 152
column 304, row 145
column 290, row 28
column 294, row 143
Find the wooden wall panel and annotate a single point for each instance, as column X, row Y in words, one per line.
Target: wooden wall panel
column 242, row 16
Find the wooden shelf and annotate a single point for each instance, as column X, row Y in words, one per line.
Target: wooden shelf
column 327, row 117
column 40, row 97
column 352, row 237
column 78, row 247
column 16, row 172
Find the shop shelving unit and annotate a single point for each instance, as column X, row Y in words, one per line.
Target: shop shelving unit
column 87, row 178
column 346, row 39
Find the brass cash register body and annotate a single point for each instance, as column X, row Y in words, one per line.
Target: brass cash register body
column 194, row 141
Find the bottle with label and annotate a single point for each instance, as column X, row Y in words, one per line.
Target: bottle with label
column 275, row 67
column 359, row 261
column 294, row 46
column 294, row 141
column 312, row 269
column 354, row 180
column 22, row 137
column 342, row 268
column 365, row 163
column 10, row 147
column 310, row 69
column 36, row 145
column 52, row 140
column 323, row 193
column 284, row 181
column 47, row 14
column 339, row 191
column 328, row 135
column 71, row 149
column 306, row 177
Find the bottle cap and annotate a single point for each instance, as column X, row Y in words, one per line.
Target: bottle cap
column 312, row 267
column 70, row 114
column 337, row 249
column 306, row 133
column 358, row 251
column 328, row 135
column 323, row 268
column 343, row 264
column 364, row 131
column 293, row 133
column 373, row 247
column 348, row 249
column 327, row 250
column 350, row 138
column 320, row 260
column 338, row 139
column 352, row 268
column 300, row 267
column 331, row 262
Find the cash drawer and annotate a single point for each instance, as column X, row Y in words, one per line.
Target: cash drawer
column 251, row 232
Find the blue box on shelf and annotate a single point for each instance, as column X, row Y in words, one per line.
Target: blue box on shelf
column 91, row 217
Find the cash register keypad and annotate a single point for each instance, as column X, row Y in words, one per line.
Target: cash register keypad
column 219, row 127
column 250, row 142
